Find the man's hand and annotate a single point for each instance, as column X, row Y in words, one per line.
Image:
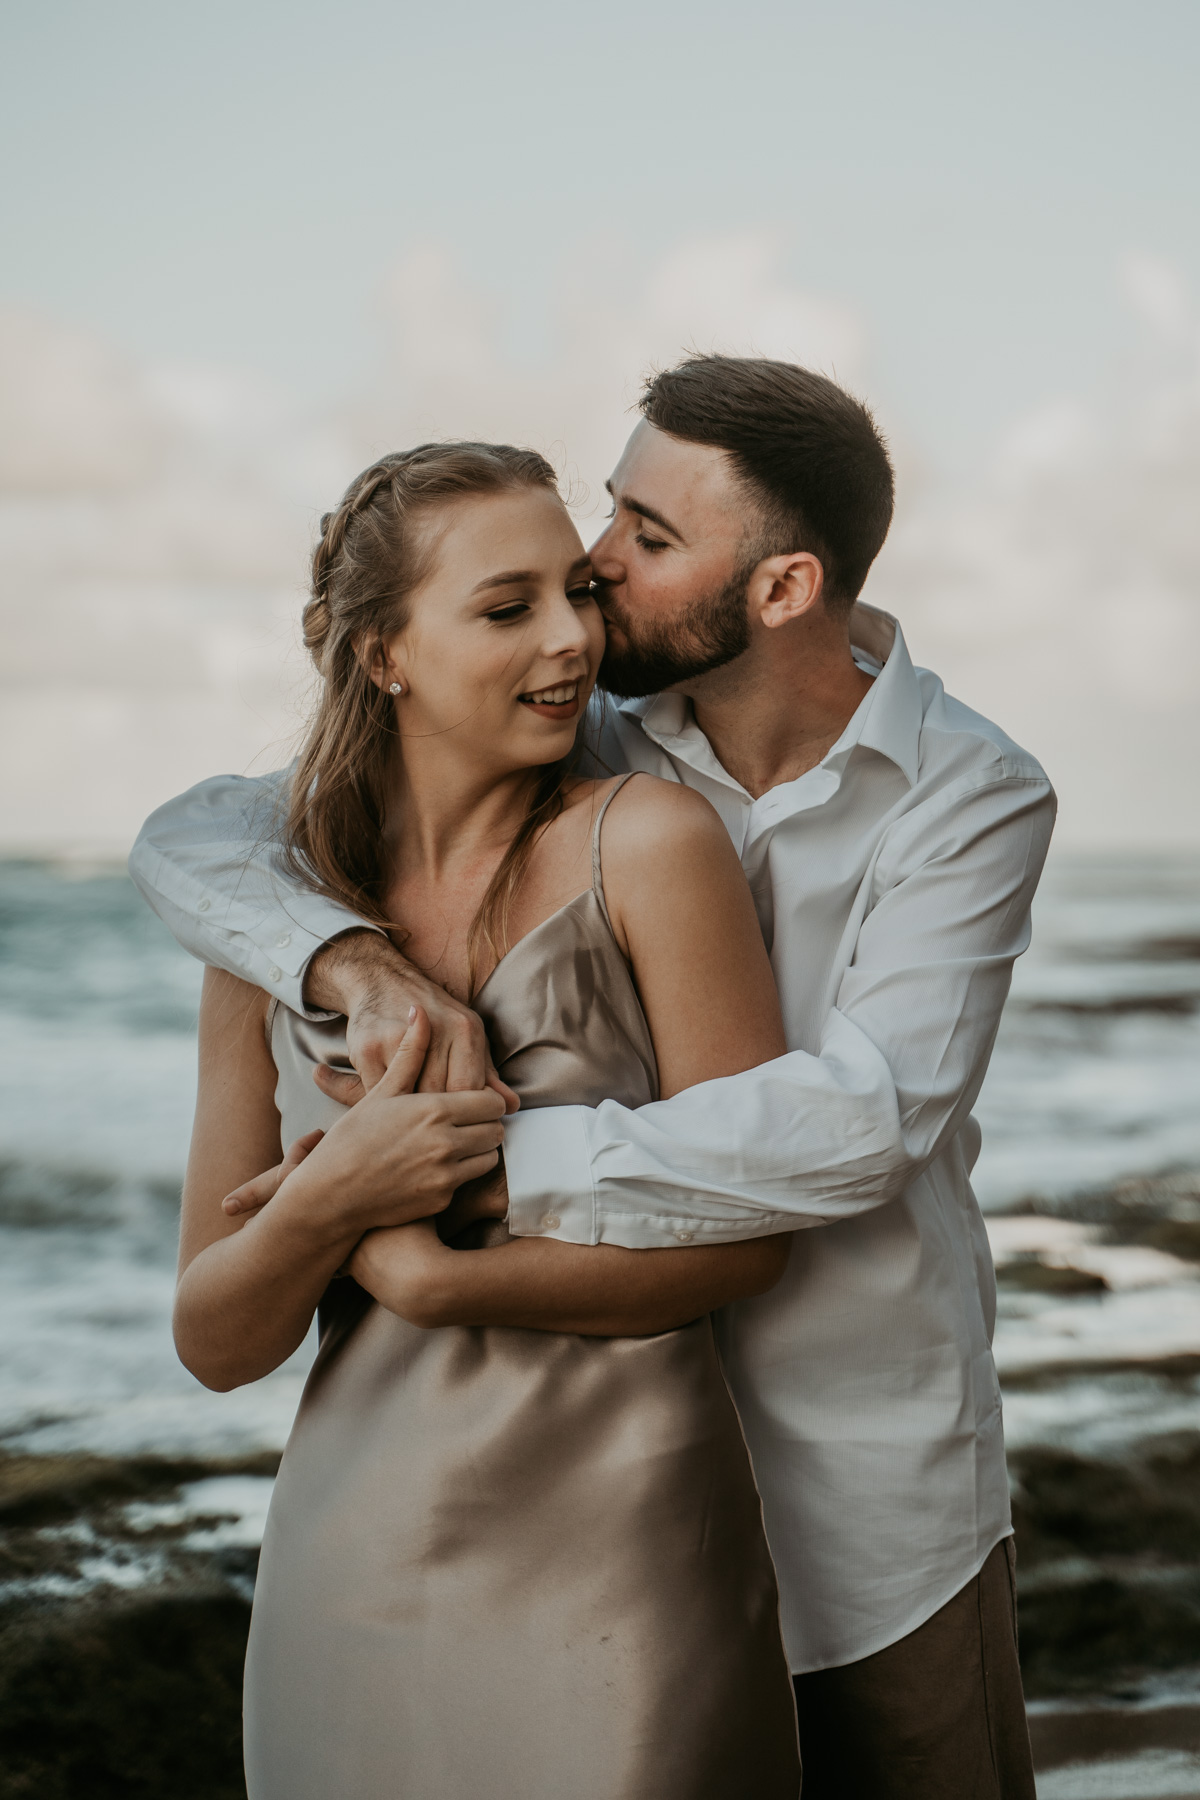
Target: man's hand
column 361, row 975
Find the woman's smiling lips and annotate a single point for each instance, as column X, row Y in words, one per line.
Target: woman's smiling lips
column 558, row 702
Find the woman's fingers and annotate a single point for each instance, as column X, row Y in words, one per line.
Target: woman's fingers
column 252, row 1196
column 472, row 1167
column 303, row 1146
column 474, row 1140
column 510, row 1097
column 404, row 1069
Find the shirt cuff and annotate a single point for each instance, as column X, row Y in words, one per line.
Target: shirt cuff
column 549, row 1170
column 285, row 944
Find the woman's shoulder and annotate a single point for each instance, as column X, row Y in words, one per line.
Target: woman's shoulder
column 653, row 817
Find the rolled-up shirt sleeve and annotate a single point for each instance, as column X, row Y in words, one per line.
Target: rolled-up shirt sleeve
column 208, row 864
column 809, row 1139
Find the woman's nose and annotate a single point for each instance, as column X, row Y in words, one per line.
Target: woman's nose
column 568, row 636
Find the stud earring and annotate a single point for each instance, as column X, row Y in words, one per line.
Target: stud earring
column 397, row 687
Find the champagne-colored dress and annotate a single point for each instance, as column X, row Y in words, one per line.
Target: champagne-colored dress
column 515, row 1565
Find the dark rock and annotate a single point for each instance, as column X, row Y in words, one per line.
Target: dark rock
column 1178, row 1237
column 39, row 1490
column 136, row 1700
column 1037, row 1277
column 1074, row 1506
column 1129, row 1206
column 1094, row 1636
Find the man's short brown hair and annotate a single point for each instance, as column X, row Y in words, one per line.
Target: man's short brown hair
column 810, row 456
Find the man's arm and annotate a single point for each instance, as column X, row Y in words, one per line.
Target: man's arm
column 208, row 863
column 810, row 1139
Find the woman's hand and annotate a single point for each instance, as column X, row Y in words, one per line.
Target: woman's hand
column 252, row 1196
column 397, row 1155
column 408, row 1269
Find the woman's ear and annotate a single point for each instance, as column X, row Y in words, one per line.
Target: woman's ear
column 380, row 659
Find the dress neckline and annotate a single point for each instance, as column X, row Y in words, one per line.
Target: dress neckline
column 595, row 892
column 551, row 918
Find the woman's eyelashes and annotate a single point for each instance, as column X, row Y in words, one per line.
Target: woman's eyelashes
column 514, row 610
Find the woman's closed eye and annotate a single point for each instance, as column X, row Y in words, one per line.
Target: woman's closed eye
column 509, row 613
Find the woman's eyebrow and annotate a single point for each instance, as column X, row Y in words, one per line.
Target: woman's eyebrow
column 511, row 577
column 508, row 579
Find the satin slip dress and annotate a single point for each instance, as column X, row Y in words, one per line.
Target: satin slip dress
column 515, row 1565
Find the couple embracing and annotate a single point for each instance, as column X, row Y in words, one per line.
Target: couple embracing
column 600, row 1071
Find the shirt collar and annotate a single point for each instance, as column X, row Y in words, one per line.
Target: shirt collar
column 891, row 715
column 888, row 720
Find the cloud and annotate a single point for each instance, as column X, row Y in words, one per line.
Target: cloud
column 155, row 523
column 1062, row 595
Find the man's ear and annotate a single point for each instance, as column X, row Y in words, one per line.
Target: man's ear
column 783, row 588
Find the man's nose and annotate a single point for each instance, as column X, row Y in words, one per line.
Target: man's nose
column 605, row 561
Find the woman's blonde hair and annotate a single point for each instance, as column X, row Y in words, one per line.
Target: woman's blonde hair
column 372, row 555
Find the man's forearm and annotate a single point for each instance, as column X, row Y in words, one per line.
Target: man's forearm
column 363, row 975
column 799, row 1141
column 354, row 967
column 208, row 864
column 814, row 1138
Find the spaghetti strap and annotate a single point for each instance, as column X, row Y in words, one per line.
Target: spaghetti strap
column 597, row 879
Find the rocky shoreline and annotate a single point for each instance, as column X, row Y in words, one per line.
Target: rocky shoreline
column 123, row 1620
column 125, row 1582
column 124, row 1609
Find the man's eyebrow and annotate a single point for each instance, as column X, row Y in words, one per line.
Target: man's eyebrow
column 511, row 577
column 645, row 512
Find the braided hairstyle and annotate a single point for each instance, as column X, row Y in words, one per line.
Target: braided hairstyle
column 372, row 555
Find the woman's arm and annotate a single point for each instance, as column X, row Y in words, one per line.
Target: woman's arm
column 594, row 1290
column 248, row 1288
column 705, row 983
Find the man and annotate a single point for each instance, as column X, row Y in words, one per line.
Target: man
column 893, row 841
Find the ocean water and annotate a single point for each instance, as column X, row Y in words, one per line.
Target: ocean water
column 1089, row 1178
column 1095, row 1083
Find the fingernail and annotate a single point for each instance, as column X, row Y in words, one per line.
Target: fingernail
column 412, row 1013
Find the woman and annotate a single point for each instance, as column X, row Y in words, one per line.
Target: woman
column 515, row 1548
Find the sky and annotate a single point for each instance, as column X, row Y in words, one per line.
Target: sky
column 243, row 247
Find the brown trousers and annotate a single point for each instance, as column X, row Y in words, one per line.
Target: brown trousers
column 938, row 1716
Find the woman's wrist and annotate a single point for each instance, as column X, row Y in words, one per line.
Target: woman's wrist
column 307, row 1209
column 409, row 1271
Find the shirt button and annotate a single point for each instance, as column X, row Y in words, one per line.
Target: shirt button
column 551, row 1222
column 274, row 974
column 685, row 1237
column 284, row 939
column 203, row 905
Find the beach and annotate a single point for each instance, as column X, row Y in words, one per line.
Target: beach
column 132, row 1500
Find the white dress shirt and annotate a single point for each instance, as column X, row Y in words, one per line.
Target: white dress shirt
column 893, row 884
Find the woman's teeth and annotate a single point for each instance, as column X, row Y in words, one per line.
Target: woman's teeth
column 556, row 696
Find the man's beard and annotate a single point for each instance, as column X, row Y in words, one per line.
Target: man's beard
column 709, row 633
